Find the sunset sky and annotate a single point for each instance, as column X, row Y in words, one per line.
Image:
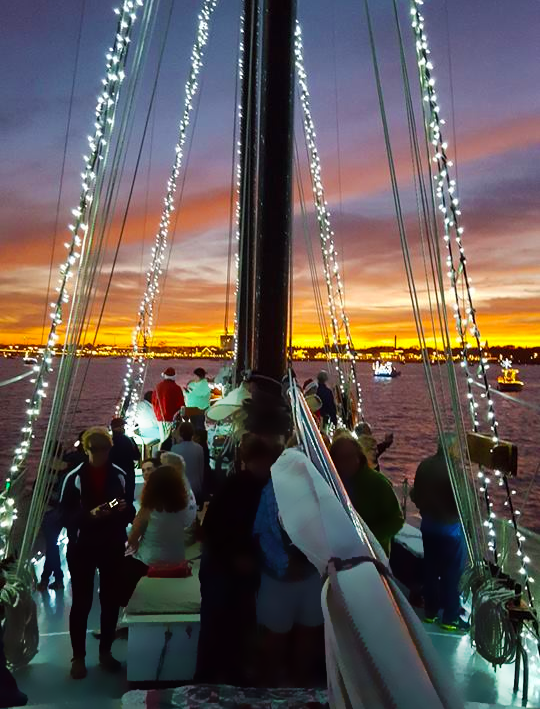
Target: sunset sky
column 494, row 51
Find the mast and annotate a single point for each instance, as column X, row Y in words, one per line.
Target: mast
column 245, row 331
column 274, row 224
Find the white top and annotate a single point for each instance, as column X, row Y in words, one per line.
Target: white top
column 146, row 421
column 163, row 541
column 193, row 456
column 198, row 394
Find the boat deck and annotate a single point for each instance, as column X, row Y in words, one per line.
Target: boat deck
column 46, row 680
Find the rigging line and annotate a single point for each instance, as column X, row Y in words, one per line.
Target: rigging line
column 427, row 232
column 73, row 328
column 148, row 182
column 338, row 143
column 130, row 194
column 63, row 167
column 418, row 175
column 451, row 78
column 471, row 539
column 319, row 306
column 526, row 404
column 232, row 209
column 111, row 198
column 89, row 290
column 173, row 236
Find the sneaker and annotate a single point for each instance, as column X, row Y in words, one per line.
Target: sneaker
column 57, row 585
column 430, row 620
column 78, row 668
column 109, row 663
column 457, row 626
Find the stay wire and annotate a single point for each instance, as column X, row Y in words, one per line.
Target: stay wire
column 63, row 167
column 132, row 188
column 232, row 227
column 470, row 537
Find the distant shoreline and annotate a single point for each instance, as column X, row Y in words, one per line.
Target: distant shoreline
column 405, row 355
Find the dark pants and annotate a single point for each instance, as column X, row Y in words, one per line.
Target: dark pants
column 132, row 572
column 444, row 562
column 51, row 530
column 83, row 562
column 228, row 618
column 198, row 421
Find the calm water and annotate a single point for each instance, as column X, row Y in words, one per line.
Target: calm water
column 401, row 406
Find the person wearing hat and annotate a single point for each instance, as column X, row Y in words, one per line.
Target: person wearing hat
column 198, row 396
column 167, row 399
column 124, row 453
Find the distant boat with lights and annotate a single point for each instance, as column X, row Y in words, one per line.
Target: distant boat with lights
column 508, row 379
column 385, row 370
column 28, row 360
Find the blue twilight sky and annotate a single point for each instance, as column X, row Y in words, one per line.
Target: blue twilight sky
column 494, row 53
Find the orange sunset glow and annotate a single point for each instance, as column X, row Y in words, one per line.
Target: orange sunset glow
column 494, row 117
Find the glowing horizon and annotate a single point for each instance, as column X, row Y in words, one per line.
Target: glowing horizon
column 498, row 151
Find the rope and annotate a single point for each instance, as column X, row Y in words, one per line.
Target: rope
column 468, row 508
column 7, row 382
column 232, row 210
column 63, row 167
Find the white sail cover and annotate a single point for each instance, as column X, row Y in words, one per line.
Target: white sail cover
column 377, row 652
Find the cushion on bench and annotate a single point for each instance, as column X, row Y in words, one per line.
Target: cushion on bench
column 157, row 596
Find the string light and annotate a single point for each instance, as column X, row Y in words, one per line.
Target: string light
column 238, row 174
column 448, row 204
column 77, row 246
column 334, row 284
column 136, row 364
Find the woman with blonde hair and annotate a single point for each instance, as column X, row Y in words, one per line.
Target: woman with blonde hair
column 371, row 494
column 157, row 537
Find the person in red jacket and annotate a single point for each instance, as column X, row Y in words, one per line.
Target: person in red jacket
column 167, row 399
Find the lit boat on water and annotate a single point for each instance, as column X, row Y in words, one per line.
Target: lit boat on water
column 29, row 361
column 508, row 381
column 385, row 370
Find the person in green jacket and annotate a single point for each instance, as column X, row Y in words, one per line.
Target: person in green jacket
column 370, row 492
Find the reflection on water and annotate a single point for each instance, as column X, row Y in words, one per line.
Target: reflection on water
column 400, row 405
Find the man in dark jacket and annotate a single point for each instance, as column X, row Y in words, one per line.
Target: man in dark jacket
column 124, row 453
column 444, row 545
column 96, row 509
column 325, row 394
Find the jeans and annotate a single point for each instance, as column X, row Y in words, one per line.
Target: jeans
column 133, row 571
column 83, row 562
column 51, row 530
column 444, row 562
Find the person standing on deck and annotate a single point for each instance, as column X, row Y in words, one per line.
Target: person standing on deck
column 167, row 399
column 229, row 572
column 52, row 525
column 124, row 453
column 444, row 544
column 371, row 493
column 198, row 396
column 328, row 410
column 95, row 510
column 193, row 455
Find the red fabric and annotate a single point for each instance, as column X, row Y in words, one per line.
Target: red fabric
column 167, row 399
column 163, row 571
column 97, row 481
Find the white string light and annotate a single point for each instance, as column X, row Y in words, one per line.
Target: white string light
column 136, row 364
column 238, row 173
column 105, row 113
column 448, row 205
column 334, row 284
